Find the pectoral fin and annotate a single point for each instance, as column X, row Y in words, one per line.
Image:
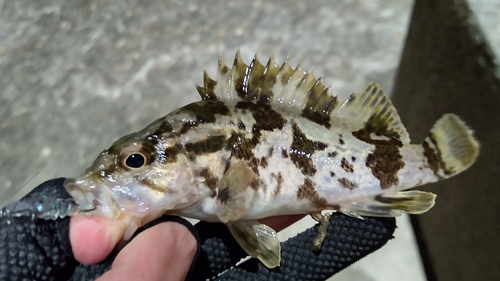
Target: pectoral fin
column 394, row 204
column 232, row 193
column 258, row 240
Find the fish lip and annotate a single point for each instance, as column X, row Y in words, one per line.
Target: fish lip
column 77, row 193
column 92, row 196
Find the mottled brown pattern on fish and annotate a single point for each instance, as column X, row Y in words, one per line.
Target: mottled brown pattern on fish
column 266, row 118
column 263, row 162
column 434, row 158
column 347, row 183
column 241, row 126
column 377, row 125
column 210, row 180
column 307, row 191
column 319, row 105
column 188, row 126
column 346, row 166
column 302, row 150
column 171, row 153
column 240, row 147
column 332, row 154
column 257, row 183
column 386, row 159
column 284, row 153
column 279, row 180
column 341, row 140
column 270, row 152
column 442, row 164
column 206, row 111
column 254, row 164
column 317, row 117
column 165, row 127
column 209, row 145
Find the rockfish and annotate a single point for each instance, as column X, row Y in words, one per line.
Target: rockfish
column 267, row 141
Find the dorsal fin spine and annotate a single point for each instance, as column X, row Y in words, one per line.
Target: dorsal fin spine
column 270, row 75
column 305, row 88
column 205, row 95
column 331, row 101
column 292, row 94
column 255, row 77
column 285, row 73
column 239, row 77
column 313, row 94
column 209, row 83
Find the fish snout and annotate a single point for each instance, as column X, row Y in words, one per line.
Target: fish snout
column 91, row 196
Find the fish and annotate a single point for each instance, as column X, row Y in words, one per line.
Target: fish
column 269, row 140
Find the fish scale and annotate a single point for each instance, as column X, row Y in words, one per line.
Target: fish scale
column 271, row 140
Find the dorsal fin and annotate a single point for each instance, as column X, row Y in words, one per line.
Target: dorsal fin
column 294, row 88
column 256, row 82
column 373, row 110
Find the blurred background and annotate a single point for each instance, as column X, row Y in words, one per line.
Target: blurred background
column 77, row 75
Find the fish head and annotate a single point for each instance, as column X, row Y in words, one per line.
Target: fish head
column 138, row 176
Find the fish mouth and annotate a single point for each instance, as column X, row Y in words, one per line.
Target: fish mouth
column 93, row 197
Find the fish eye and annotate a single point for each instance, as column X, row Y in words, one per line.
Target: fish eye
column 135, row 160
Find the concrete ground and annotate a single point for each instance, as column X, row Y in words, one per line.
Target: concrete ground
column 75, row 76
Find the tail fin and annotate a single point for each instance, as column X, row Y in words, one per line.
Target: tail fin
column 450, row 147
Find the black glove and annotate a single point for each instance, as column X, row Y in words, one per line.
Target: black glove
column 40, row 249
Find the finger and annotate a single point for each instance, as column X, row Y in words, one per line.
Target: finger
column 93, row 238
column 162, row 252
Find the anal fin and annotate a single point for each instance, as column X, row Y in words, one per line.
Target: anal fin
column 393, row 204
column 258, row 240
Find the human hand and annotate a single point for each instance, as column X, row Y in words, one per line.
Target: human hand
column 41, row 249
column 149, row 256
column 167, row 247
column 163, row 251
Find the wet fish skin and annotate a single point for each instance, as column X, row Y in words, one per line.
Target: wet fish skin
column 269, row 140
